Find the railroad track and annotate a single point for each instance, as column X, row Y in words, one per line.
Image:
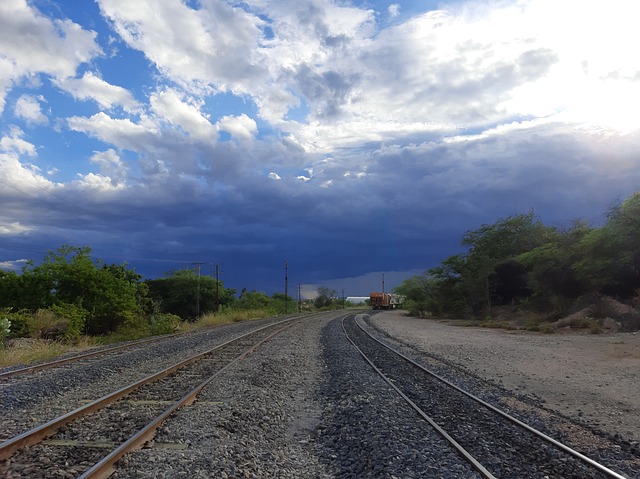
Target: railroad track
column 82, row 356
column 87, row 441
column 493, row 442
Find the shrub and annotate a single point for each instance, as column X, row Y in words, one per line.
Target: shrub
column 45, row 324
column 580, row 323
column 164, row 323
column 19, row 323
column 74, row 318
column 5, row 328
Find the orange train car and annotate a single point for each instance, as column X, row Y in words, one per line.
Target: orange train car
column 385, row 300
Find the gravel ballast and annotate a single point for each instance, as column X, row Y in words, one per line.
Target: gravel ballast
column 592, row 378
column 305, row 404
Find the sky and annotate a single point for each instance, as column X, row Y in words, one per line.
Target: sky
column 349, row 139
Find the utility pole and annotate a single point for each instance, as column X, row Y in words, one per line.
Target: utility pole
column 343, row 299
column 299, row 298
column 217, row 290
column 382, row 283
column 286, row 284
column 198, row 289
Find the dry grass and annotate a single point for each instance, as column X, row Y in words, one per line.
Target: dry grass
column 211, row 320
column 27, row 351
column 31, row 350
column 574, row 322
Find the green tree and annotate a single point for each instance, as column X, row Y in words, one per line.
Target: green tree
column 489, row 264
column 110, row 295
column 187, row 294
column 253, row 300
column 325, row 297
column 551, row 272
column 420, row 292
column 611, row 255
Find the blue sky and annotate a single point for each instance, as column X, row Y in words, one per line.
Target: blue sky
column 349, row 139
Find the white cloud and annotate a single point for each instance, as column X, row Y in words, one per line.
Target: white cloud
column 28, row 108
column 13, row 265
column 111, row 166
column 96, row 184
column 31, row 43
column 123, row 133
column 13, row 143
column 20, row 181
column 394, row 10
column 241, row 127
column 196, row 48
column 12, row 229
column 92, row 87
column 274, row 176
column 169, row 106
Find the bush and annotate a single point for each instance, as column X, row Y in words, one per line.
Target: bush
column 5, row 328
column 19, row 323
column 580, row 323
column 164, row 323
column 74, row 319
column 45, row 324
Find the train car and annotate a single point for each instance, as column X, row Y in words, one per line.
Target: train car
column 385, row 300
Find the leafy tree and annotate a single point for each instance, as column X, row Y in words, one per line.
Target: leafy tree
column 187, row 294
column 110, row 295
column 253, row 300
column 489, row 271
column 419, row 292
column 552, row 277
column 325, row 297
column 283, row 304
column 611, row 255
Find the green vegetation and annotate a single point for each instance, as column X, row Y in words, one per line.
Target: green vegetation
column 522, row 266
column 70, row 300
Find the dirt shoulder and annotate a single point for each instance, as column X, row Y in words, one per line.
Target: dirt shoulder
column 594, row 378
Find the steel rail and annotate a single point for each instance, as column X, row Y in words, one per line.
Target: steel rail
column 106, row 466
column 457, row 446
column 78, row 357
column 505, row 415
column 37, row 434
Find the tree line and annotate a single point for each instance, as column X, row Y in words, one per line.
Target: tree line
column 69, row 295
column 520, row 261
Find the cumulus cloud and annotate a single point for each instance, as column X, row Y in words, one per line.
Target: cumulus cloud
column 92, row 87
column 393, row 137
column 28, row 108
column 31, row 43
column 111, row 166
column 14, row 143
column 208, row 46
column 123, row 133
column 241, row 127
column 169, row 106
